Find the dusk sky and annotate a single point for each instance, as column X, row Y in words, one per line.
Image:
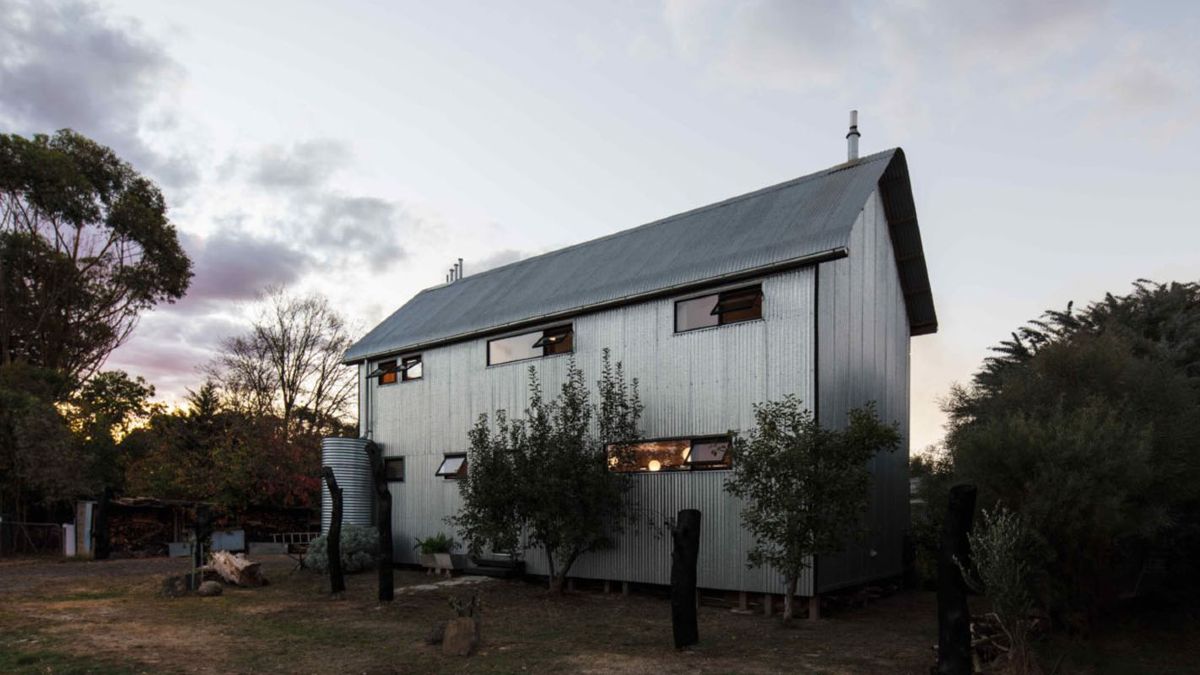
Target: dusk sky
column 358, row 148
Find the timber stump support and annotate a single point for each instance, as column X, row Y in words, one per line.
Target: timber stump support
column 383, row 522
column 685, row 599
column 954, row 618
column 337, row 581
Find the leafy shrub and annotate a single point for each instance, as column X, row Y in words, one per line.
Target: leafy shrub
column 1004, row 557
column 438, row 543
column 360, row 550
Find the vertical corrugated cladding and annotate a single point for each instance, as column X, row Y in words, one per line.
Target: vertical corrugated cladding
column 864, row 340
column 700, row 382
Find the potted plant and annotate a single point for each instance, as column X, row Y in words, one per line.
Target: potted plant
column 435, row 552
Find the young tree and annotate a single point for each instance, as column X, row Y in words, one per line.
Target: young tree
column 576, row 503
column 805, row 486
column 289, row 364
column 85, row 246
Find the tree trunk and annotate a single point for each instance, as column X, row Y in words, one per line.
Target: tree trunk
column 237, row 569
column 686, row 536
column 789, row 599
column 337, row 581
column 383, row 521
column 954, row 618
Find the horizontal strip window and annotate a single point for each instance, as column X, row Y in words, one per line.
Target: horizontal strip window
column 453, row 466
column 532, row 345
column 719, row 309
column 671, row 454
column 406, row 369
column 393, row 468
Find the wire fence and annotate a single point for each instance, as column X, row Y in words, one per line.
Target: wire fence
column 19, row 539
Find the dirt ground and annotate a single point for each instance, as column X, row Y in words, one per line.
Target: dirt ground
column 109, row 618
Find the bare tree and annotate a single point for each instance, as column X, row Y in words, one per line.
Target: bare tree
column 289, row 363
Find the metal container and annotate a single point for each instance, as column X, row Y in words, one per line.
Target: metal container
column 352, row 467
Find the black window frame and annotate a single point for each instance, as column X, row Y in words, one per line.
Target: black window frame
column 387, row 368
column 392, row 461
column 406, row 363
column 549, row 342
column 459, row 473
column 736, row 299
column 724, row 464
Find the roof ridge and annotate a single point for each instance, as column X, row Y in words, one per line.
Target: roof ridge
column 875, row 157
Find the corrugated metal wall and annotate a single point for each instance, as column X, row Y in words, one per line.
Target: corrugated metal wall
column 864, row 356
column 702, row 382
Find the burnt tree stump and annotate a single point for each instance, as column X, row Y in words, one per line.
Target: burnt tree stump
column 383, row 521
column 686, row 537
column 201, row 531
column 333, row 538
column 102, row 542
column 954, row 618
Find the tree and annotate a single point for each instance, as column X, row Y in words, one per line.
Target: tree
column 85, row 246
column 39, row 460
column 101, row 413
column 805, row 487
column 576, row 503
column 289, row 364
column 1086, row 423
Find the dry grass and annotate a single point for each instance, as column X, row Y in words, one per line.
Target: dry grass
column 107, row 617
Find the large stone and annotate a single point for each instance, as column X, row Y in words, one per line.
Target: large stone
column 209, row 589
column 462, row 637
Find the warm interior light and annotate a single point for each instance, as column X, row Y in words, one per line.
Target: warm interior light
column 654, row 465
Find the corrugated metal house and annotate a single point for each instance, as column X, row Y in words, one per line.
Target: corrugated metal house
column 812, row 287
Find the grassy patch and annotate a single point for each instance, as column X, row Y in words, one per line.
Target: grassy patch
column 27, row 652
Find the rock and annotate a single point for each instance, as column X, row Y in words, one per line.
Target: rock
column 175, row 587
column 210, row 589
column 437, row 634
column 462, row 637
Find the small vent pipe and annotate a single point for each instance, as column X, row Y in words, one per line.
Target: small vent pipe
column 852, row 138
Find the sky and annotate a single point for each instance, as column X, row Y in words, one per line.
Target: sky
column 357, row 148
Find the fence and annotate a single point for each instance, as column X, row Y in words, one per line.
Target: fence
column 30, row 539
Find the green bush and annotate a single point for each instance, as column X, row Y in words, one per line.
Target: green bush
column 360, row 550
column 439, row 543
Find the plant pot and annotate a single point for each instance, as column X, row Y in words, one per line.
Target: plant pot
column 428, row 561
column 444, row 561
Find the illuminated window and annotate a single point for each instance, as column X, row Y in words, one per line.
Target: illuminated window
column 394, row 468
column 453, row 466
column 719, row 309
column 389, row 372
column 556, row 340
column 410, row 368
column 672, row 454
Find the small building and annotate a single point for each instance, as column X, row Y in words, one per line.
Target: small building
column 812, row 287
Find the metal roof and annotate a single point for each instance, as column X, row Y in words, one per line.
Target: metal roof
column 799, row 222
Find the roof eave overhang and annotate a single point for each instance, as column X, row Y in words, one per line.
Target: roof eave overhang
column 542, row 319
column 895, row 189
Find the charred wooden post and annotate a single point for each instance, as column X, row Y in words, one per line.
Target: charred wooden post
column 383, row 521
column 102, row 545
column 686, row 536
column 201, row 530
column 337, row 581
column 954, row 619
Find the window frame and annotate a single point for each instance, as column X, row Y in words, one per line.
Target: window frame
column 724, row 295
column 387, row 461
column 725, row 464
column 546, row 342
column 388, row 368
column 407, row 362
column 459, row 473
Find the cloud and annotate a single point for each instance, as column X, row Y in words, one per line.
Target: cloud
column 497, row 259
column 303, row 165
column 349, row 229
column 231, row 266
column 771, row 43
column 68, row 65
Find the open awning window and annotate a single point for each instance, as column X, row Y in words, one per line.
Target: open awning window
column 719, row 309
column 546, row 342
column 453, row 466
